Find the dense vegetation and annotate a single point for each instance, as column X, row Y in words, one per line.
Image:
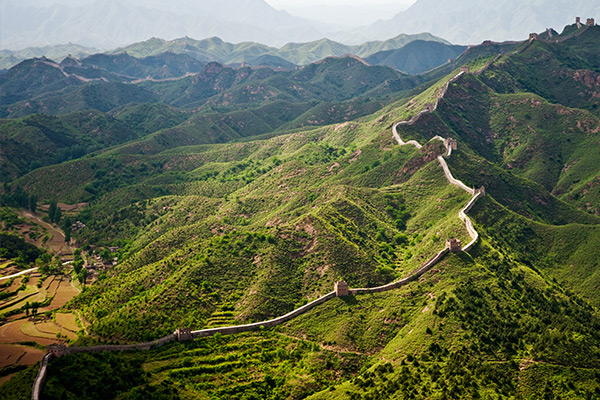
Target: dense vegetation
column 213, row 234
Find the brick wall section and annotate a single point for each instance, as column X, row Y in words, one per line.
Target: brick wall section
column 395, row 285
column 228, row 330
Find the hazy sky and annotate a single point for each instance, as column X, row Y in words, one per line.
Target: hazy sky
column 343, row 12
column 283, row 3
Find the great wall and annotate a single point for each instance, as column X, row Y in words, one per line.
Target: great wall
column 340, row 288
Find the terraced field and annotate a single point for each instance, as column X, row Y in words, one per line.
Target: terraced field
column 21, row 332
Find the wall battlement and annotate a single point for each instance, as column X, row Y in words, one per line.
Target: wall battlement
column 183, row 334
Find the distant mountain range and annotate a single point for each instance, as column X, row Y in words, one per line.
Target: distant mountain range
column 113, row 23
column 286, row 57
column 215, row 49
column 110, row 23
column 473, row 21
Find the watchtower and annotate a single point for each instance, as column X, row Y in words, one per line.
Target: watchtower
column 481, row 190
column 533, row 36
column 58, row 350
column 341, row 288
column 450, row 143
column 184, row 334
column 578, row 22
column 590, row 22
column 453, row 245
column 465, row 69
column 429, row 107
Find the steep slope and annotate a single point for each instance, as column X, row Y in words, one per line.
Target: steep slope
column 478, row 324
column 161, row 66
column 33, row 77
column 416, row 57
column 102, row 96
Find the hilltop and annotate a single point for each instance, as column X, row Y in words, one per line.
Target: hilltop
column 211, row 49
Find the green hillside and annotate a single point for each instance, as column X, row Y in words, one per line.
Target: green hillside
column 215, row 49
column 417, row 56
column 271, row 186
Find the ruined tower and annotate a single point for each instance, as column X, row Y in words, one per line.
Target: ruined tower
column 58, row 350
column 590, row 22
column 450, row 143
column 453, row 245
column 184, row 334
column 341, row 288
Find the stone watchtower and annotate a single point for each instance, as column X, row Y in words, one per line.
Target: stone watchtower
column 481, row 190
column 465, row 69
column 341, row 288
column 590, row 22
column 58, row 350
column 533, row 36
column 453, row 245
column 578, row 22
column 450, row 143
column 429, row 107
column 184, row 334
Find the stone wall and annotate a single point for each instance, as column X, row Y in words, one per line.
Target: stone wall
column 184, row 333
column 40, row 377
column 228, row 330
column 415, row 275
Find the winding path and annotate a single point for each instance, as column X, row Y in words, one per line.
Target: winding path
column 27, row 271
column 451, row 179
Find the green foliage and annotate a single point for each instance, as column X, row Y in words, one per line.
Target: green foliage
column 92, row 376
column 14, row 247
column 281, row 367
column 417, row 57
column 222, row 234
column 9, row 218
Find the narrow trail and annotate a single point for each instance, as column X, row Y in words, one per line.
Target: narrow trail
column 27, row 271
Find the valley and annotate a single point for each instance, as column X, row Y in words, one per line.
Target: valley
column 234, row 196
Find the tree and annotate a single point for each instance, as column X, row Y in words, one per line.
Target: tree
column 82, row 276
column 106, row 255
column 52, row 210
column 66, row 227
column 32, row 202
column 57, row 215
column 77, row 266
